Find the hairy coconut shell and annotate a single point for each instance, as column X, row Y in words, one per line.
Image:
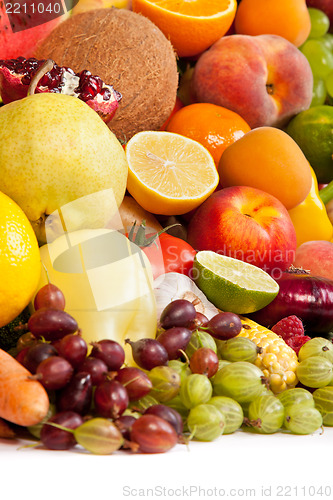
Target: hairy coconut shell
column 127, row 51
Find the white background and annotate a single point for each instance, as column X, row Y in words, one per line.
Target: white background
column 241, row 465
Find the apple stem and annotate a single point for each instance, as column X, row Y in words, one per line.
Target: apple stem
column 47, row 66
column 326, row 194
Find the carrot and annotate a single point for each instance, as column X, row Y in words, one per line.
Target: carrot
column 23, row 401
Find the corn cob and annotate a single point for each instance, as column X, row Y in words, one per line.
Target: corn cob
column 277, row 360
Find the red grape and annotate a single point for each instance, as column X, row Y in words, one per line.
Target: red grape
column 177, row 313
column 36, row 354
column 49, row 296
column 199, row 320
column 58, row 439
column 73, row 347
column 111, row 399
column 77, row 394
column 204, row 361
column 96, row 367
column 21, row 355
column 224, row 325
column 124, row 424
column 54, row 372
column 52, row 324
column 153, row 434
column 136, row 381
column 174, row 339
column 26, row 340
column 148, row 353
column 169, row 414
column 109, row 351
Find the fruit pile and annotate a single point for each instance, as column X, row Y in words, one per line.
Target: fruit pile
column 198, row 379
column 166, row 209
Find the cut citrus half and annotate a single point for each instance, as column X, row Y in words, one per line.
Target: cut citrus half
column 169, row 174
column 231, row 284
column 191, row 26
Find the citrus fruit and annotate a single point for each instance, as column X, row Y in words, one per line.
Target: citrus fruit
column 213, row 126
column 231, row 284
column 19, row 260
column 267, row 158
column 169, row 174
column 312, row 130
column 260, row 17
column 192, row 26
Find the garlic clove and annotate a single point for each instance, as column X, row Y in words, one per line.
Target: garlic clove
column 172, row 286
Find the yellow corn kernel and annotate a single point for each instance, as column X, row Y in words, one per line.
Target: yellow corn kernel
column 269, row 359
column 290, row 377
column 273, row 348
column 277, row 359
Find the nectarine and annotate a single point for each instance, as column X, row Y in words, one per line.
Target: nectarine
column 316, row 257
column 263, row 78
column 247, row 224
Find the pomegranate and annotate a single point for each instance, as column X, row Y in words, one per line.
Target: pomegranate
column 21, row 77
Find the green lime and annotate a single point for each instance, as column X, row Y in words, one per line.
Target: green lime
column 312, row 129
column 231, row 284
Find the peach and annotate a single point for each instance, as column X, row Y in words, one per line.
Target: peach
column 317, row 257
column 263, row 78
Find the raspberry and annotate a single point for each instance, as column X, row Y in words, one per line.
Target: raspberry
column 297, row 341
column 289, row 327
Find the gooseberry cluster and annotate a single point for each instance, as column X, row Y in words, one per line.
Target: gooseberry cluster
column 196, row 380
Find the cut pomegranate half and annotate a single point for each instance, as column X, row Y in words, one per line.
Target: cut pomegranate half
column 21, row 77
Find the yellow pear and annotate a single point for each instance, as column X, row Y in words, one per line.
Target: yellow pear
column 54, row 149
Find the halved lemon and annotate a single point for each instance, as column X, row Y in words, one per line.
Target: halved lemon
column 231, row 284
column 169, row 174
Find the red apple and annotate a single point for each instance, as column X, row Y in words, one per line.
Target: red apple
column 247, row 224
column 317, row 257
column 263, row 78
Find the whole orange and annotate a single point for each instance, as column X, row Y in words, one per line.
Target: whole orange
column 213, row 126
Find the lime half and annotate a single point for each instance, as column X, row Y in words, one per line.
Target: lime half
column 231, row 284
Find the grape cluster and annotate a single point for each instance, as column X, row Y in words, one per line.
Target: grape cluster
column 196, row 380
column 318, row 49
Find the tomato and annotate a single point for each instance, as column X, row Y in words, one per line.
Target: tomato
column 170, row 254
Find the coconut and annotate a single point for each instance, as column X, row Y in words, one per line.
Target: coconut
column 128, row 52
